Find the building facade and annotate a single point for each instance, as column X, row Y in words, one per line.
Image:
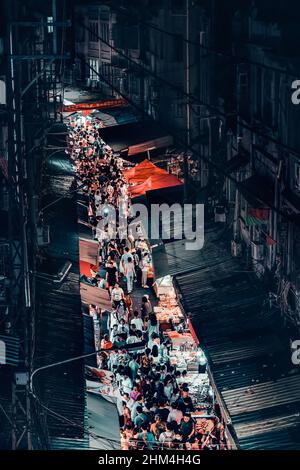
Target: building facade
column 264, row 149
column 219, row 78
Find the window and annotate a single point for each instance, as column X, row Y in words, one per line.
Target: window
column 297, row 176
column 93, row 31
column 94, row 69
column 49, row 26
column 105, row 32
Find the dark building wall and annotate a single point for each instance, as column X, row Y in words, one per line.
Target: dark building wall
column 243, row 59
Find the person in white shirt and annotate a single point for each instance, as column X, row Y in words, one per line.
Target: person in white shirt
column 113, row 320
column 175, row 414
column 117, row 294
column 168, row 436
column 129, row 272
column 123, row 328
column 137, row 321
column 122, row 311
column 132, row 339
column 154, row 340
column 98, row 198
column 113, row 360
column 128, row 400
column 130, row 238
column 114, row 333
column 145, row 265
column 127, row 384
column 124, row 259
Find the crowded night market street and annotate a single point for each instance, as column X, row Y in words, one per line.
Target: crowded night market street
column 149, row 232
column 149, row 362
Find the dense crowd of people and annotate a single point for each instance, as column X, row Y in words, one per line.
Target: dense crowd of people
column 154, row 402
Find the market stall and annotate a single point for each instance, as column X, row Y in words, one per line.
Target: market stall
column 186, row 355
column 168, row 311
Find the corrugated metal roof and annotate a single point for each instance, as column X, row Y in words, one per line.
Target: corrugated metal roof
column 104, row 424
column 269, row 423
column 60, row 443
column 171, row 257
column 117, row 116
column 287, row 439
column 59, row 322
column 267, row 394
column 248, row 350
column 122, row 137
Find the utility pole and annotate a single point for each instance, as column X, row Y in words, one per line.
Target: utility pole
column 19, row 321
column 19, row 297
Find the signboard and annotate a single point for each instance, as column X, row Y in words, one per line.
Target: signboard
column 95, row 105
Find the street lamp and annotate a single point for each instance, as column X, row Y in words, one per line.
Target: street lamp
column 54, row 364
column 76, row 358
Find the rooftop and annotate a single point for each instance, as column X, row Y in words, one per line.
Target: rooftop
column 246, row 345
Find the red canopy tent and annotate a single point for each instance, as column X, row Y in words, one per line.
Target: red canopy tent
column 154, row 182
column 142, row 172
column 147, row 177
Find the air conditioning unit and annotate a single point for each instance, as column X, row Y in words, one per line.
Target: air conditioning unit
column 257, row 251
column 43, row 235
column 236, row 249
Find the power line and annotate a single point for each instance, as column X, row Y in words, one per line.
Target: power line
column 215, row 165
column 192, row 99
column 239, row 59
column 176, row 88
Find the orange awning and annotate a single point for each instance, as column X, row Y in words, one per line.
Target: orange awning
column 147, row 177
column 157, row 181
column 142, row 172
column 96, row 105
